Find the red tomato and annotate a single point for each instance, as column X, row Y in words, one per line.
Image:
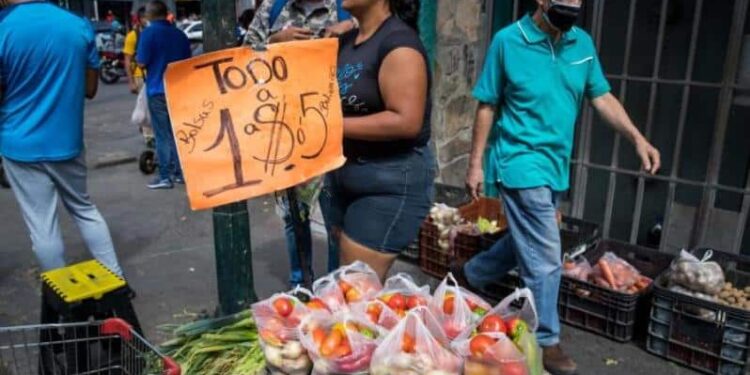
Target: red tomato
column 352, row 295
column 343, row 350
column 414, row 301
column 448, row 304
column 408, row 344
column 513, row 368
column 397, row 302
column 318, row 336
column 317, row 304
column 479, row 344
column 331, row 343
column 452, row 330
column 344, row 286
column 283, row 306
column 493, row 323
column 471, row 304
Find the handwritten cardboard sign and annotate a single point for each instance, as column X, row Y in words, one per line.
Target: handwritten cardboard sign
column 249, row 123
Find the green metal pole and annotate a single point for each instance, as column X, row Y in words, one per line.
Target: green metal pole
column 234, row 256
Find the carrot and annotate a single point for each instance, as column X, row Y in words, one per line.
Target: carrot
column 607, row 273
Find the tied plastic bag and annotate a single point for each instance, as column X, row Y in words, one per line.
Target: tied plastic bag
column 698, row 275
column 339, row 344
column 491, row 353
column 141, row 117
column 416, row 345
column 515, row 317
column 455, row 307
column 616, row 273
column 349, row 284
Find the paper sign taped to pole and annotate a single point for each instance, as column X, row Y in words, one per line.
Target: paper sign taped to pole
column 248, row 123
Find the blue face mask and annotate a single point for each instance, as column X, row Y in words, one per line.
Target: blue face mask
column 561, row 16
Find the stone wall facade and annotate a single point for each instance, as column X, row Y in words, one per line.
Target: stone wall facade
column 459, row 45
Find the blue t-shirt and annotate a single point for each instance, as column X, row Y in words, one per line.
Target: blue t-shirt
column 160, row 44
column 43, row 81
column 538, row 85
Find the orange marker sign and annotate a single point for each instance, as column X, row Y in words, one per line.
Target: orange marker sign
column 249, row 123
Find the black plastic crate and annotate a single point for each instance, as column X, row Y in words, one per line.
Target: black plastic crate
column 574, row 233
column 577, row 232
column 709, row 337
column 612, row 314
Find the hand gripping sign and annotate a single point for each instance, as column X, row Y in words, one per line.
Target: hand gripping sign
column 248, row 123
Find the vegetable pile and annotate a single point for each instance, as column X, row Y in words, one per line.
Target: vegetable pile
column 217, row 346
column 351, row 324
column 610, row 271
column 449, row 223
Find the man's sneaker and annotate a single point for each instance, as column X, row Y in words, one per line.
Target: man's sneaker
column 179, row 180
column 160, row 184
column 556, row 362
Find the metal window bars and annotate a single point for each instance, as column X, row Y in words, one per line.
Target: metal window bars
column 109, row 347
column 727, row 87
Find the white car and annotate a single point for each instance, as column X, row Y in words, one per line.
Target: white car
column 193, row 30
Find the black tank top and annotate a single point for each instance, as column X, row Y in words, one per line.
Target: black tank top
column 358, row 69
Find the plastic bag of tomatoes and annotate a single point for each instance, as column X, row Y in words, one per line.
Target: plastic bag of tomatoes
column 278, row 318
column 400, row 294
column 339, row 344
column 349, row 284
column 490, row 353
column 516, row 320
column 416, row 345
column 455, row 307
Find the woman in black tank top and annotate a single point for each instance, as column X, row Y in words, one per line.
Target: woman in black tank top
column 379, row 198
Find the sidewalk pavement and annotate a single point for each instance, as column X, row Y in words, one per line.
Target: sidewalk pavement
column 167, row 250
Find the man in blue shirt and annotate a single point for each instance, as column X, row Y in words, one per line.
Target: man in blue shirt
column 160, row 44
column 537, row 73
column 44, row 78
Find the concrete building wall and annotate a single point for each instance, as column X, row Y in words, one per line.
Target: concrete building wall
column 459, row 45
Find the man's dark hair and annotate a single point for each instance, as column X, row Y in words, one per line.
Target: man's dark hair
column 156, row 9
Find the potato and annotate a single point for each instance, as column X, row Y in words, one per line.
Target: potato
column 724, row 294
column 727, row 285
column 747, row 289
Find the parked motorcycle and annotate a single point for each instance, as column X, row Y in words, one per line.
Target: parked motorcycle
column 112, row 67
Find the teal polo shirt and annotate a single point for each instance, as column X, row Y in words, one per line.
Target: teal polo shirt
column 538, row 86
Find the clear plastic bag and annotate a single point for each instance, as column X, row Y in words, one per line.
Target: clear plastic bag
column 341, row 343
column 416, row 345
column 455, row 307
column 141, row 116
column 278, row 318
column 517, row 321
column 615, row 273
column 697, row 275
column 490, row 353
column 349, row 284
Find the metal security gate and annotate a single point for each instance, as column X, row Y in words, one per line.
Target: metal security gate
column 680, row 69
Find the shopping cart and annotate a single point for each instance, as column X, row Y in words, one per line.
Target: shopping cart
column 109, row 347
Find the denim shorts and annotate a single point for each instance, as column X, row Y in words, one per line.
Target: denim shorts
column 380, row 203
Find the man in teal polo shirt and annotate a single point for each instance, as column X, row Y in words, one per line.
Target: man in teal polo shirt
column 537, row 73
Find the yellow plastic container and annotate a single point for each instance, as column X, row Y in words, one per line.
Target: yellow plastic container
column 82, row 281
